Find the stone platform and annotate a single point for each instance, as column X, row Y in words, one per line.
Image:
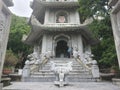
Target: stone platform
column 71, row 86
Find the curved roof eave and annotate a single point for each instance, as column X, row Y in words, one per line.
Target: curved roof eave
column 38, row 29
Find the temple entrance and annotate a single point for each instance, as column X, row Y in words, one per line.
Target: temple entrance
column 61, row 49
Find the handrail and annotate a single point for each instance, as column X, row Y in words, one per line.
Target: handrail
column 79, row 60
column 34, row 67
column 44, row 61
column 83, row 64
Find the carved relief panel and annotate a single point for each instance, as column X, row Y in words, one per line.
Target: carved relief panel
column 3, row 17
column 3, row 22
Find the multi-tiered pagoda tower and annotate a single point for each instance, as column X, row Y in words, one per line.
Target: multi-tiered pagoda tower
column 56, row 27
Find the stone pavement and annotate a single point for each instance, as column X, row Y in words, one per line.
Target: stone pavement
column 51, row 86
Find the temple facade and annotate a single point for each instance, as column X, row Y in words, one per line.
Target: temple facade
column 5, row 19
column 58, row 35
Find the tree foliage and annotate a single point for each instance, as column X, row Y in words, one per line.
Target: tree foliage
column 105, row 51
column 18, row 27
column 10, row 59
column 93, row 8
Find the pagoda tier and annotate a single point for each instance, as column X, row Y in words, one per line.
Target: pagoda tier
column 54, row 3
column 40, row 6
column 39, row 29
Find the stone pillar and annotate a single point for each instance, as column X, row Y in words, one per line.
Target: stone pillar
column 115, row 19
column 77, row 18
column 80, row 44
column 88, row 48
column 74, row 41
column 5, row 19
column 46, row 17
column 44, row 44
column 26, row 69
column 95, row 69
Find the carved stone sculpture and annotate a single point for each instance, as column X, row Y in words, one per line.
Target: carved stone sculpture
column 61, row 70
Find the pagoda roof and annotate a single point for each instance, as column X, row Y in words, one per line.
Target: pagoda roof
column 39, row 6
column 39, row 29
column 54, row 3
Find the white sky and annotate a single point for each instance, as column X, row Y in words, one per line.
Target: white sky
column 21, row 8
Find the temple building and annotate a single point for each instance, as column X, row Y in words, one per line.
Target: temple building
column 59, row 37
column 5, row 19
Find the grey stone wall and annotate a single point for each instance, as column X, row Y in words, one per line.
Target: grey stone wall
column 115, row 19
column 5, row 19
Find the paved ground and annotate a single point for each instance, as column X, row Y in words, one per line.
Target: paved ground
column 72, row 86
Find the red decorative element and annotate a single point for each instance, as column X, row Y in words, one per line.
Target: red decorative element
column 61, row 19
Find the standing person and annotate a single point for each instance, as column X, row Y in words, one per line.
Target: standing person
column 71, row 54
column 70, row 50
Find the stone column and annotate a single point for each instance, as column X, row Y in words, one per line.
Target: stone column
column 77, row 18
column 46, row 17
column 74, row 41
column 44, row 44
column 115, row 18
column 80, row 44
column 5, row 19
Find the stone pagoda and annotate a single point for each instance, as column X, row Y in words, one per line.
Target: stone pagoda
column 56, row 30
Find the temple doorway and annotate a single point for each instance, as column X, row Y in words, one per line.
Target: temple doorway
column 61, row 49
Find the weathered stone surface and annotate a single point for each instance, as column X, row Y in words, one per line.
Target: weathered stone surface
column 115, row 18
column 5, row 18
column 71, row 86
column 1, row 85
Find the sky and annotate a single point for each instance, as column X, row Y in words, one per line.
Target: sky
column 21, row 8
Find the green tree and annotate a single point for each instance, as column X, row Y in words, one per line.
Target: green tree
column 93, row 8
column 10, row 59
column 105, row 51
column 19, row 27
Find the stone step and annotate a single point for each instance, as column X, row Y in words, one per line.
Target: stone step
column 61, row 63
column 72, row 66
column 39, row 79
column 62, row 59
column 79, row 71
column 72, row 73
column 52, row 73
column 80, row 75
column 54, row 78
column 42, row 74
column 80, row 79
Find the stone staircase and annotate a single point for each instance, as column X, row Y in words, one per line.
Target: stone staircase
column 78, row 74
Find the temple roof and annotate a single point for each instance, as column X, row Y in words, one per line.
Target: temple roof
column 54, row 3
column 39, row 6
column 39, row 29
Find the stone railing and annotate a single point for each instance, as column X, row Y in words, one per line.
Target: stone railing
column 30, row 66
column 87, row 62
column 33, row 64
